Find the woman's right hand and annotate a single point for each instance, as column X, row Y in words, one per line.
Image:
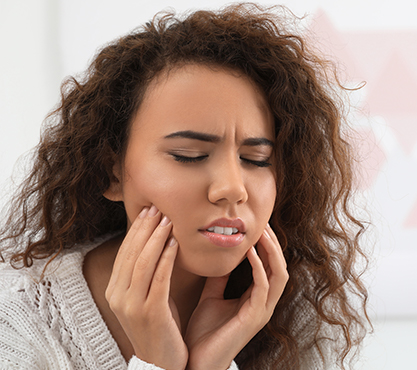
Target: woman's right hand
column 138, row 291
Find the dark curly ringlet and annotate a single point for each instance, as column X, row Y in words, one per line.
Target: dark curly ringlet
column 61, row 202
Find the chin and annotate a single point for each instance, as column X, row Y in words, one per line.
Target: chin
column 215, row 272
column 208, row 268
column 210, row 271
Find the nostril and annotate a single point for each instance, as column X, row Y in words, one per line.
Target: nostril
column 231, row 192
column 227, row 183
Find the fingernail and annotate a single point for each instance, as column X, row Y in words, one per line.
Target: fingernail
column 165, row 221
column 266, row 234
column 143, row 213
column 172, row 242
column 254, row 250
column 153, row 211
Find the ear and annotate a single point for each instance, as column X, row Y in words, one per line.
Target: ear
column 115, row 190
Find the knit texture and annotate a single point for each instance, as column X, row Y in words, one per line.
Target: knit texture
column 49, row 320
column 52, row 321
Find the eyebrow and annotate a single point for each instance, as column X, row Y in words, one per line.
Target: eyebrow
column 195, row 136
column 255, row 141
column 188, row 134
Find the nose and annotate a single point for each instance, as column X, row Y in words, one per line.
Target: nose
column 227, row 182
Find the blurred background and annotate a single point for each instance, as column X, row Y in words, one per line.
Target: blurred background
column 43, row 41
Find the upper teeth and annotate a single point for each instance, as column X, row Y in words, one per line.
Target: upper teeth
column 223, row 230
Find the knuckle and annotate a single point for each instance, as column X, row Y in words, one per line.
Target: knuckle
column 137, row 225
column 149, row 224
column 108, row 294
column 131, row 254
column 264, row 289
column 114, row 304
column 142, row 263
column 160, row 234
column 159, row 277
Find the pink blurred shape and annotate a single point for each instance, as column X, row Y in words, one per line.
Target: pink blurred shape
column 369, row 157
column 394, row 96
column 411, row 220
column 332, row 43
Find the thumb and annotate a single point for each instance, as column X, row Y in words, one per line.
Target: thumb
column 214, row 287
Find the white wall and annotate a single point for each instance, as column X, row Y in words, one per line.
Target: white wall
column 42, row 41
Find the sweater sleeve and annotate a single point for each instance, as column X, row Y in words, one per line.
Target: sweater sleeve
column 137, row 364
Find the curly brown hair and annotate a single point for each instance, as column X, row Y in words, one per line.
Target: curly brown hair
column 61, row 203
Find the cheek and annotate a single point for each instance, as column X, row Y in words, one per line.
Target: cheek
column 264, row 193
column 263, row 201
column 172, row 193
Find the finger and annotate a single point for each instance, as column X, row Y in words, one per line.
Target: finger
column 245, row 296
column 161, row 280
column 140, row 231
column 260, row 288
column 272, row 246
column 270, row 233
column 278, row 275
column 118, row 262
column 132, row 246
column 127, row 241
column 270, row 241
column 146, row 263
column 263, row 255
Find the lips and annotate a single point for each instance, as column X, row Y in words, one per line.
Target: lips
column 225, row 232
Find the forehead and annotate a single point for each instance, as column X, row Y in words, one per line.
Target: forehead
column 204, row 97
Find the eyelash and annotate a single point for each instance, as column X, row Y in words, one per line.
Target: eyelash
column 184, row 159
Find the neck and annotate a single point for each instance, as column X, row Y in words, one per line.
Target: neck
column 186, row 290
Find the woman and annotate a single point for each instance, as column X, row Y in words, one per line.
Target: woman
column 143, row 232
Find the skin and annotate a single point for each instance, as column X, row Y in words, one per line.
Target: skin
column 165, row 289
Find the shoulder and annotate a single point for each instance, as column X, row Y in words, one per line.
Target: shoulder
column 25, row 292
column 31, row 289
column 38, row 307
column 58, row 266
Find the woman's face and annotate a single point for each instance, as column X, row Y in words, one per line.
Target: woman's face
column 199, row 149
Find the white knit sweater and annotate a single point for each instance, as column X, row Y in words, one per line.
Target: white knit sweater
column 53, row 322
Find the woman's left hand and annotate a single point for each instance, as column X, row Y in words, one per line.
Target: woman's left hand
column 219, row 329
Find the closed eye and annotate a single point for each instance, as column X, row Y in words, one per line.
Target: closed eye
column 186, row 159
column 256, row 163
